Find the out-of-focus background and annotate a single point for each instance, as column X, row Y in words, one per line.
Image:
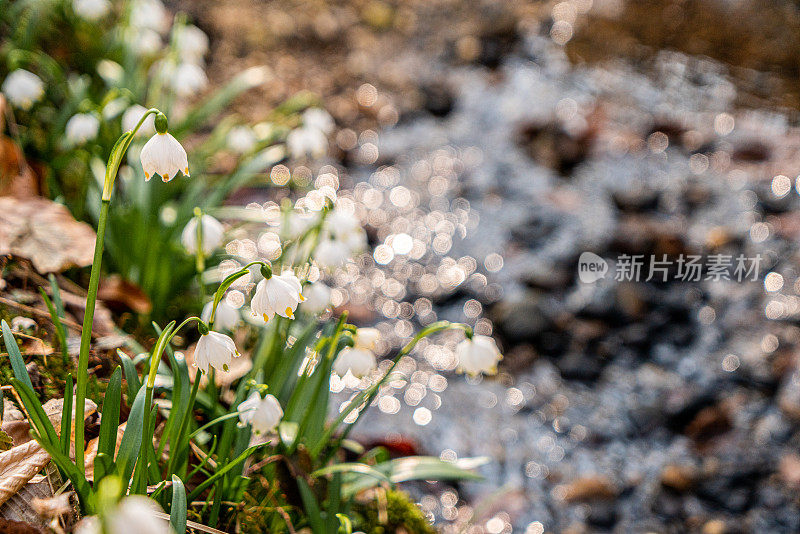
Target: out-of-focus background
column 487, row 146
column 550, row 129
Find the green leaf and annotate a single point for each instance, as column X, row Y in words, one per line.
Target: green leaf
column 311, row 507
column 353, row 467
column 224, row 470
column 60, row 333
column 177, row 516
column 36, row 415
column 17, row 363
column 131, row 439
column 131, row 376
column 66, row 416
column 109, row 421
column 432, row 468
column 75, row 475
column 103, row 464
column 414, row 468
column 213, row 422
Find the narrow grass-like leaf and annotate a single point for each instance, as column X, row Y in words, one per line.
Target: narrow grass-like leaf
column 224, row 470
column 60, row 332
column 311, row 507
column 131, row 439
column 17, row 362
column 177, row 515
column 38, row 418
column 110, row 415
column 75, row 475
column 131, row 376
column 66, row 416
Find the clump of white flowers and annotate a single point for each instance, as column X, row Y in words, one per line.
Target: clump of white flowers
column 478, row 354
column 163, row 155
column 23, row 88
column 276, row 295
column 91, row 10
column 81, row 128
column 311, row 139
column 212, row 233
column 263, row 415
column 214, row 350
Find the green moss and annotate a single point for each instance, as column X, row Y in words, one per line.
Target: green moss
column 403, row 516
column 52, row 370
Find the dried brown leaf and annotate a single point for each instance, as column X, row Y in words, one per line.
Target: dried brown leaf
column 45, row 233
column 123, row 295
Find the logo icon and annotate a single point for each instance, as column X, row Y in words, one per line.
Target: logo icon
column 591, row 267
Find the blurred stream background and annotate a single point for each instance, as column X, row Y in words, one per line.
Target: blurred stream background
column 488, row 145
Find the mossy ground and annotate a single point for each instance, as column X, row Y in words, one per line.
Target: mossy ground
column 49, row 372
column 403, row 516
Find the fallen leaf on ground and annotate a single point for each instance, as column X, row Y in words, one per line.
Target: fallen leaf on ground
column 123, row 295
column 45, row 233
column 20, row 464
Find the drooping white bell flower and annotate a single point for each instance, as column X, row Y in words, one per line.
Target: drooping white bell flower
column 319, row 119
column 81, row 127
column 478, row 355
column 149, row 14
column 241, row 139
column 306, row 141
column 212, row 230
column 341, row 223
column 226, row 318
column 145, row 42
column 163, row 155
column 91, row 10
column 23, row 88
column 215, row 350
column 357, row 361
column 263, row 415
column 188, row 79
column 279, row 294
column 135, row 514
column 330, row 253
column 131, row 118
column 318, row 297
column 192, row 43
column 366, row 338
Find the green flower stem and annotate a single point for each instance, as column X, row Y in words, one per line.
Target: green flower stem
column 200, row 258
column 112, row 167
